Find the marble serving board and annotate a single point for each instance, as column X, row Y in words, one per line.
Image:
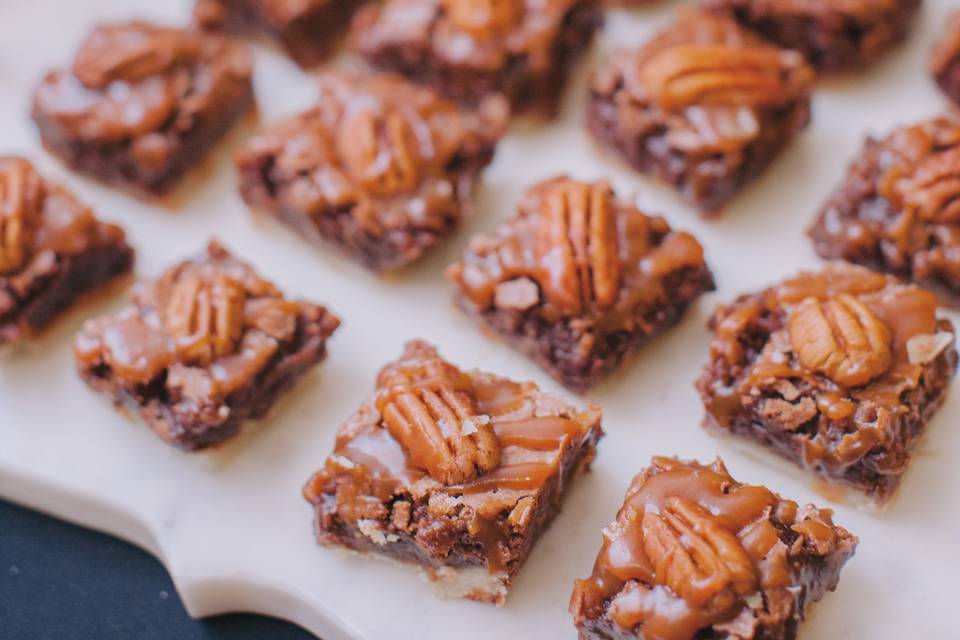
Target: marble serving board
column 232, row 527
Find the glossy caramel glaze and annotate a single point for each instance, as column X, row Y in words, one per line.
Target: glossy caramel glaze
column 838, row 359
column 42, row 226
column 204, row 330
column 137, row 83
column 375, row 467
column 394, row 156
column 576, row 251
column 693, row 551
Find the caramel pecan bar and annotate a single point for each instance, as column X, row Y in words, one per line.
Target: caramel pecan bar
column 380, row 168
column 52, row 250
column 455, row 472
column 945, row 62
column 142, row 104
column 580, row 279
column 308, row 30
column 703, row 106
column 470, row 49
column 833, row 36
column 207, row 346
column 898, row 209
column 839, row 371
column 694, row 554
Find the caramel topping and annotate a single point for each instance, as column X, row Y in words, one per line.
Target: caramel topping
column 132, row 52
column 204, row 315
column 427, row 405
column 841, row 338
column 689, row 546
column 574, row 249
column 484, row 18
column 471, row 445
column 21, row 203
column 577, row 245
column 213, row 318
column 833, row 352
column 718, row 74
column 392, row 154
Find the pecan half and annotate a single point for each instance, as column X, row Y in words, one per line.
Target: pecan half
column 204, row 315
column 21, row 201
column 716, row 74
column 577, row 246
column 131, row 53
column 840, row 338
column 428, row 406
column 696, row 556
column 381, row 151
column 484, row 17
column 931, row 190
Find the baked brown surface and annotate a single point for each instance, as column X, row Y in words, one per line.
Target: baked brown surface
column 694, row 554
column 52, row 251
column 833, row 36
column 839, row 371
column 202, row 349
column 308, row 30
column 521, row 49
column 452, row 471
column 580, row 279
column 380, row 169
column 141, row 104
column 945, row 60
column 704, row 106
column 897, row 209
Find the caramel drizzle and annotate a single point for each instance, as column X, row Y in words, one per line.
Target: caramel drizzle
column 686, row 549
column 636, row 252
column 381, row 463
column 904, row 311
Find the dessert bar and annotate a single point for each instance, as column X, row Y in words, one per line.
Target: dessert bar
column 580, row 279
column 457, row 473
column 695, row 555
column 704, row 106
column 141, row 104
column 202, row 349
column 381, row 169
column 839, row 371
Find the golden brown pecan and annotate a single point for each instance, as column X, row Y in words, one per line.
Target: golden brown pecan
column 931, row 190
column 696, row 556
column 204, row 315
column 577, row 245
column 381, row 151
column 132, row 52
column 840, row 338
column 21, row 200
column 716, row 74
column 428, row 406
column 484, row 17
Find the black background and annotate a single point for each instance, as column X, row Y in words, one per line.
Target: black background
column 60, row 582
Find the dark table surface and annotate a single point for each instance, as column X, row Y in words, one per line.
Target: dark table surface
column 61, row 582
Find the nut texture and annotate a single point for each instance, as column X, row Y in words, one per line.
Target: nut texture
column 21, row 200
column 716, row 74
column 841, row 338
column 695, row 556
column 205, row 315
column 428, row 406
column 380, row 152
column 119, row 52
column 930, row 189
column 578, row 245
